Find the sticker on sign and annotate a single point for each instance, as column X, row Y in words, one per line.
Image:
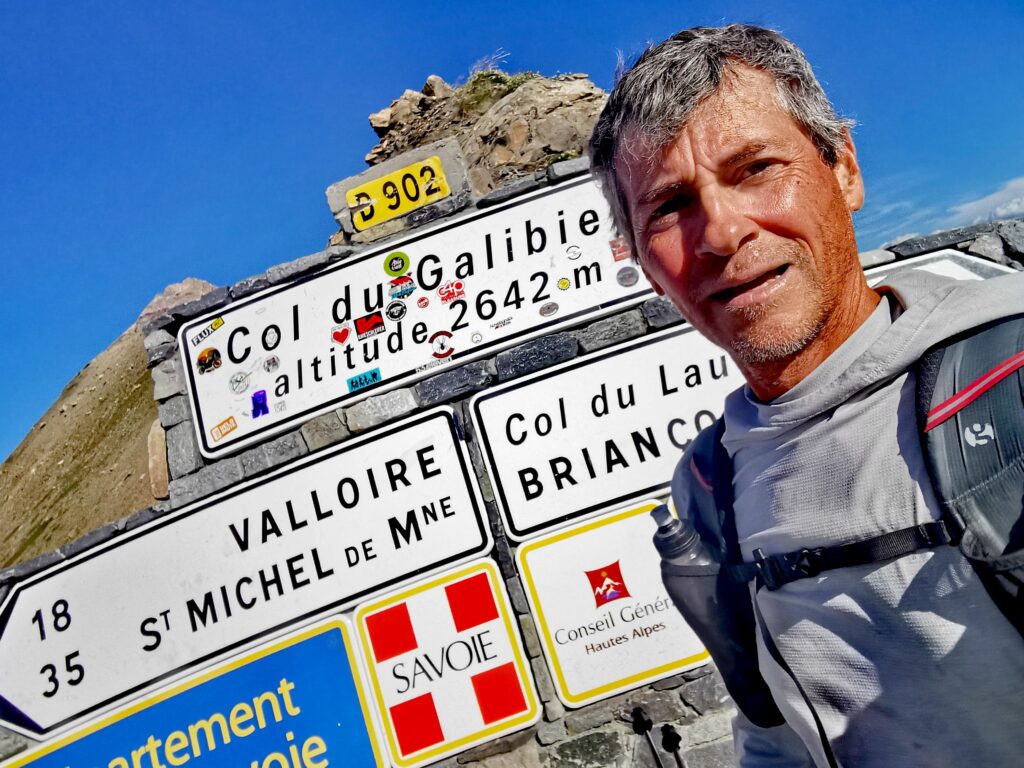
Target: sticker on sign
column 445, row 665
column 295, row 703
column 316, row 535
column 449, row 294
column 604, row 618
column 590, row 434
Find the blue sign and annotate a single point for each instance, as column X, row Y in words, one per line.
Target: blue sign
column 296, row 703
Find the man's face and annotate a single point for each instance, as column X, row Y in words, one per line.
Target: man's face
column 744, row 226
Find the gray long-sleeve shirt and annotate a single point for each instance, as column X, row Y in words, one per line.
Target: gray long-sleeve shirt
column 908, row 662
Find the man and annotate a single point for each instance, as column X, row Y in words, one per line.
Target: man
column 734, row 179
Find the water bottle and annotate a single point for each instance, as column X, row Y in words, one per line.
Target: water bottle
column 717, row 608
column 678, row 541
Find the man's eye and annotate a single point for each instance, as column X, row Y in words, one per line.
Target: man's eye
column 670, row 206
column 757, row 167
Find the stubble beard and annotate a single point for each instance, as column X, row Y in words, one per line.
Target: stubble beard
column 767, row 340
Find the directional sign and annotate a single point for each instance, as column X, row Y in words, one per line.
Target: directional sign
column 446, row 666
column 603, row 615
column 319, row 534
column 459, row 291
column 590, row 434
column 296, row 703
column 947, row 262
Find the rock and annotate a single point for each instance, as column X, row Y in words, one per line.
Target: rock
column 214, row 299
column 710, row 727
column 660, row 706
column 542, row 678
column 523, row 755
column 380, row 409
column 12, row 743
column 717, row 754
column 90, row 540
column 496, row 747
column 706, row 694
column 324, row 430
column 876, row 257
column 249, row 285
column 173, row 411
column 660, row 312
column 22, row 571
column 183, row 457
column 158, row 471
column 988, row 246
column 531, row 642
column 168, row 379
column 588, row 718
column 453, row 383
column 139, row 518
column 161, row 353
column 593, row 750
column 157, row 314
column 698, row 672
column 157, row 338
column 439, row 210
column 915, row 246
column 1012, row 233
column 208, row 480
column 509, row 191
column 611, row 330
column 273, row 453
column 668, row 683
column 549, row 733
column 517, row 595
column 553, row 710
column 566, row 169
column 437, row 88
column 293, row 270
column 536, row 355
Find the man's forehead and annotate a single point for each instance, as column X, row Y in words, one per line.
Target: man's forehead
column 744, row 111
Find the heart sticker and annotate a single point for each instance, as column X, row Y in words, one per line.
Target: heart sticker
column 340, row 335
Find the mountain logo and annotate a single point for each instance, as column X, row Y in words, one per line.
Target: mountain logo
column 607, row 584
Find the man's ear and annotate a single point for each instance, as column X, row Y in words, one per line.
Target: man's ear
column 847, row 173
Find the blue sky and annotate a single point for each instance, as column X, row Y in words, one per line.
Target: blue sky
column 141, row 143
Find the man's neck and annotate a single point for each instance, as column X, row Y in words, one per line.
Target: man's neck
column 772, row 379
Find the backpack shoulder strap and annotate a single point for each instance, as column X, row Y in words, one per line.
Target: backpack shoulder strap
column 970, row 405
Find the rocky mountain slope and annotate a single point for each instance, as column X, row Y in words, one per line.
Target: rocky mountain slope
column 86, row 461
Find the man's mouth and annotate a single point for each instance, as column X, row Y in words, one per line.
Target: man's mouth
column 752, row 291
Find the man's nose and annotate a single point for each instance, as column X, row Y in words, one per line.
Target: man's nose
column 726, row 227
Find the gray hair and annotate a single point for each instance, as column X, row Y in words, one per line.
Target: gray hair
column 655, row 97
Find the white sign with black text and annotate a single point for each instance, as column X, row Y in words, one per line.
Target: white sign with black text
column 320, row 534
column 604, row 617
column 590, row 434
column 455, row 292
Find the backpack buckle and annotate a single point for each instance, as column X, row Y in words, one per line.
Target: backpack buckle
column 776, row 570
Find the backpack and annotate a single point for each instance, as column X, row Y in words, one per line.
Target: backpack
column 970, row 411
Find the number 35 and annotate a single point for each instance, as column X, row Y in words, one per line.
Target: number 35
column 75, row 674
